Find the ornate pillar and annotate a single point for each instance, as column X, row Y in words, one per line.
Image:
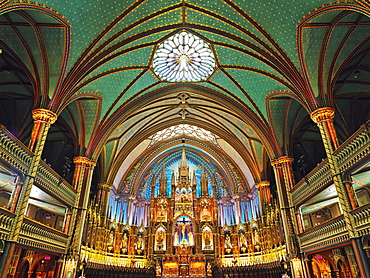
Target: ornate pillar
column 284, row 181
column 323, row 117
column 81, row 182
column 104, row 189
column 264, row 194
column 15, row 196
column 67, row 222
column 351, row 194
column 308, row 266
column 43, row 119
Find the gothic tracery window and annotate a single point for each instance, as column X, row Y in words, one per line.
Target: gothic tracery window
column 183, row 57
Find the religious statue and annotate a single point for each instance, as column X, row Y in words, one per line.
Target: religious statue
column 184, row 234
column 110, row 241
column 124, row 243
column 228, row 245
column 243, row 242
column 207, row 239
column 160, row 240
column 139, row 244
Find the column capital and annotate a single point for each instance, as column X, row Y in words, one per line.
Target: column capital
column 44, row 115
column 105, row 185
column 282, row 160
column 322, row 114
column 262, row 184
column 83, row 161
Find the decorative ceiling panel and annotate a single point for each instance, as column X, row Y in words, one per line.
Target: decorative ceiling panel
column 256, row 86
column 111, row 86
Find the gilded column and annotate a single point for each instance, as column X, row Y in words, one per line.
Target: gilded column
column 43, row 119
column 15, row 196
column 323, row 117
column 284, row 181
column 351, row 194
column 81, row 181
column 264, row 194
column 105, row 189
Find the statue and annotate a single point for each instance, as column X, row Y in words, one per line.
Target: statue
column 139, row 244
column 124, row 240
column 160, row 240
column 207, row 240
column 228, row 245
column 184, row 234
column 111, row 238
column 243, row 241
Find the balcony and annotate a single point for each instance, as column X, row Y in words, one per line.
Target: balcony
column 37, row 235
column 14, row 153
column 6, row 222
column 353, row 151
column 334, row 231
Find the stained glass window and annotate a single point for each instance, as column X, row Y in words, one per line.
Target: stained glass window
column 184, row 129
column 183, row 57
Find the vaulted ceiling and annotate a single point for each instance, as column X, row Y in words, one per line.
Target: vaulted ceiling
column 276, row 61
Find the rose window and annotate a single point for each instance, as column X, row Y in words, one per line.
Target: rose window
column 183, row 57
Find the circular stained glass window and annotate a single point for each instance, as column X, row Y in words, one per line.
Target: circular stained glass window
column 183, row 58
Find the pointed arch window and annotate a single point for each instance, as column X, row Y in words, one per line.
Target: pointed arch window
column 184, row 130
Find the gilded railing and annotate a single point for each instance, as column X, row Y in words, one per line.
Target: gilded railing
column 13, row 151
column 361, row 217
column 353, row 150
column 118, row 260
column 334, row 232
column 49, row 180
column 6, row 220
column 313, row 183
column 40, row 236
column 276, row 255
column 327, row 234
column 16, row 154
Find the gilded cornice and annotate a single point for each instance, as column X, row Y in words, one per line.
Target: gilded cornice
column 262, row 184
column 283, row 160
column 83, row 161
column 44, row 115
column 322, row 114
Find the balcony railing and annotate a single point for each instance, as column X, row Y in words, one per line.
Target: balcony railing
column 352, row 151
column 334, row 231
column 33, row 234
column 6, row 221
column 51, row 182
column 325, row 235
column 115, row 260
column 40, row 236
column 272, row 256
column 17, row 155
column 361, row 218
column 13, row 151
column 313, row 183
